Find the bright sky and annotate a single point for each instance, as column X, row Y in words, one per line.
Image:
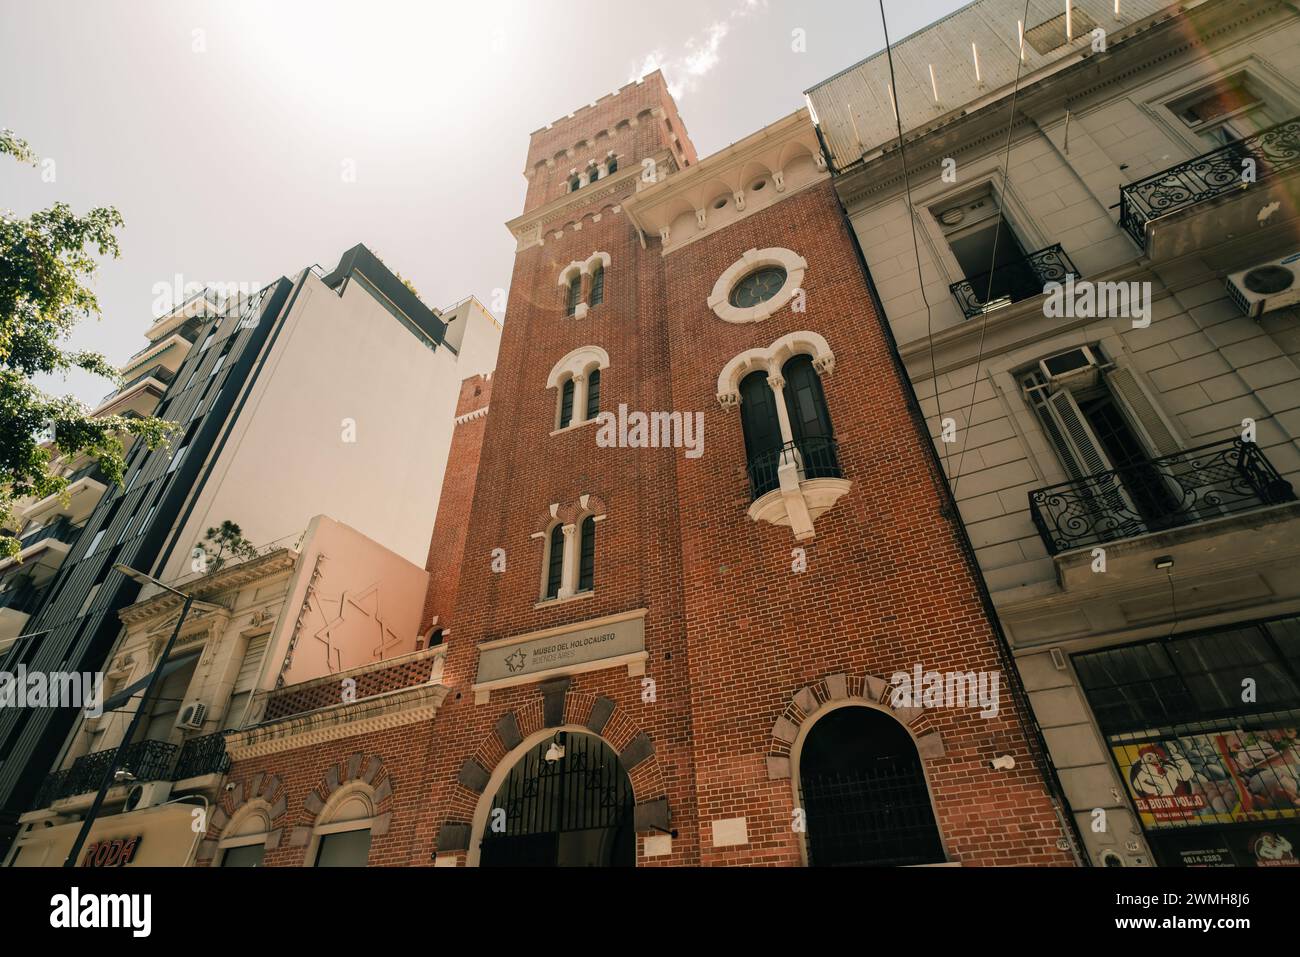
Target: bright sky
column 223, row 130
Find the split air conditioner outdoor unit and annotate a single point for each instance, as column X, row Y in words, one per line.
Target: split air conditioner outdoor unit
column 149, row 794
column 192, row 716
column 1266, row 287
column 1074, row 370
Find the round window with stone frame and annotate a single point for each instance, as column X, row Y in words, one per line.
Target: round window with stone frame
column 758, row 287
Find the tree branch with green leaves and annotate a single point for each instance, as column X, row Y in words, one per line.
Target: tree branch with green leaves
column 45, row 262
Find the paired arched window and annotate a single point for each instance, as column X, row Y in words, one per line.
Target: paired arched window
column 569, row 565
column 577, row 380
column 583, row 284
column 786, row 422
column 613, row 164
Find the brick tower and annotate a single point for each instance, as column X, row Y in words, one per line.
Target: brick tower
column 706, row 551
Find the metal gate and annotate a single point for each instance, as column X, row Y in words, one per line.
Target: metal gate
column 571, row 810
column 879, row 814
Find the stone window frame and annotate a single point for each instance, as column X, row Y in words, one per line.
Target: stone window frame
column 1279, row 92
column 1006, row 371
column 797, row 502
column 325, row 825
column 576, row 366
column 581, row 269
column 570, row 520
column 232, row 836
column 795, row 267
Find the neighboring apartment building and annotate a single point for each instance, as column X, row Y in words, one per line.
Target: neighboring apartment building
column 48, row 527
column 315, row 611
column 323, row 394
column 1126, row 474
column 683, row 652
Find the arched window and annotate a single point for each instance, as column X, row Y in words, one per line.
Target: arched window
column 864, row 794
column 810, row 422
column 554, row 561
column 575, row 293
column 575, row 184
column 593, row 393
column 762, row 428
column 613, row 165
column 595, row 174
column 341, row 837
column 597, row 295
column 244, row 842
column 566, row 403
column 587, row 555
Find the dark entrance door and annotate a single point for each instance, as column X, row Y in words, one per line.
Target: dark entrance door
column 571, row 811
column 864, row 793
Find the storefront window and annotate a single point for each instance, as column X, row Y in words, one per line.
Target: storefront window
column 1203, row 730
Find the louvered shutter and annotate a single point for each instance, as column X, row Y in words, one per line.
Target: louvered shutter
column 252, row 663
column 1143, row 415
column 1102, row 502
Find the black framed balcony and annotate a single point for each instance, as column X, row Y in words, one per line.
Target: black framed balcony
column 1021, row 278
column 146, row 760
column 202, row 755
column 1216, row 173
column 818, row 458
column 22, row 595
column 1197, row 485
column 62, row 529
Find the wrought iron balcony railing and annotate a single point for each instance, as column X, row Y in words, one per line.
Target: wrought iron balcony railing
column 146, row 760
column 1022, row 278
column 203, row 755
column 1211, row 174
column 1176, row 490
column 817, row 457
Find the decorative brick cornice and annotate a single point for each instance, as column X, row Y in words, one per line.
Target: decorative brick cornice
column 381, row 713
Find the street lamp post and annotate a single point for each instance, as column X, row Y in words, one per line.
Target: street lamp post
column 111, row 772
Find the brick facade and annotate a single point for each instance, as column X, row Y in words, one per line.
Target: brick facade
column 742, row 651
column 447, row 546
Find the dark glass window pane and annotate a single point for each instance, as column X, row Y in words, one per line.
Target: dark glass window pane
column 758, row 287
column 587, row 559
column 250, row 855
column 575, row 293
column 597, row 286
column 593, row 393
column 566, row 403
column 555, row 566
column 344, row 849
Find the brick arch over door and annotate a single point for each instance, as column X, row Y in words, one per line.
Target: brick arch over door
column 834, row 691
column 813, row 702
column 557, row 709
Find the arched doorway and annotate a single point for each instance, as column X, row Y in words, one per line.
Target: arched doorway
column 864, row 793
column 566, row 803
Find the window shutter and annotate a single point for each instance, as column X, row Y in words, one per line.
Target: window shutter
column 1142, row 412
column 1081, row 444
column 252, row 663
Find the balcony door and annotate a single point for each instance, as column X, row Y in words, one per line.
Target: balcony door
column 1106, row 436
column 982, row 241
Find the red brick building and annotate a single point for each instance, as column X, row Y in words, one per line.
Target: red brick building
column 707, row 552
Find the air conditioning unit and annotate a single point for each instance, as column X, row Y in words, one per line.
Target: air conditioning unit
column 192, row 716
column 1074, row 370
column 1266, row 287
column 150, row 794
